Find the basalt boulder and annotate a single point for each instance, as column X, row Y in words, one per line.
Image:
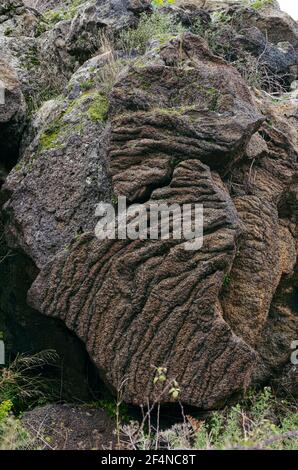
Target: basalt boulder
column 275, row 24
column 258, row 37
column 178, row 118
column 263, row 278
column 183, row 103
column 46, row 42
column 53, row 190
column 280, row 59
column 76, row 35
column 266, row 15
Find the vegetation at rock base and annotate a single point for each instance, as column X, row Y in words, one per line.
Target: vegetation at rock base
column 12, row 434
column 112, row 409
column 260, row 421
column 23, row 385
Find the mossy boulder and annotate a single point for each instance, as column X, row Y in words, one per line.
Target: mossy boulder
column 64, row 145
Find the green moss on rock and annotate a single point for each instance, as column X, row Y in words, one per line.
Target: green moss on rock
column 50, row 138
column 98, row 110
column 51, row 17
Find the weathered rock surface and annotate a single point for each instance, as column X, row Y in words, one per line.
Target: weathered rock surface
column 163, row 297
column 275, row 24
column 260, row 31
column 281, row 59
column 16, row 19
column 264, row 273
column 266, row 16
column 44, row 5
column 45, row 42
column 167, row 298
column 201, row 110
column 62, row 172
column 76, row 37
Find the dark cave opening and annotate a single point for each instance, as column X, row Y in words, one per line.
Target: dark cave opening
column 27, row 332
column 9, row 154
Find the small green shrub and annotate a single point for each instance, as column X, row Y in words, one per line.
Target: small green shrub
column 162, row 3
column 110, row 406
column 12, row 435
column 198, row 27
column 260, row 4
column 22, row 383
column 107, row 74
column 259, row 421
column 158, row 26
column 114, row 200
column 77, row 3
column 226, row 281
column 31, row 58
column 5, row 408
column 221, row 17
column 87, row 85
column 8, row 32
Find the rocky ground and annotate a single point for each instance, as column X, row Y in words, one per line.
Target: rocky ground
column 187, row 103
column 66, row 427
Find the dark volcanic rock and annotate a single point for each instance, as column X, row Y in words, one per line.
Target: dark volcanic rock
column 280, row 58
column 74, row 40
column 26, row 331
column 260, row 303
column 164, row 298
column 62, row 173
column 275, row 24
column 162, row 111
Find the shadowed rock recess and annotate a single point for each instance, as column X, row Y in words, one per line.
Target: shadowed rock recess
column 180, row 125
